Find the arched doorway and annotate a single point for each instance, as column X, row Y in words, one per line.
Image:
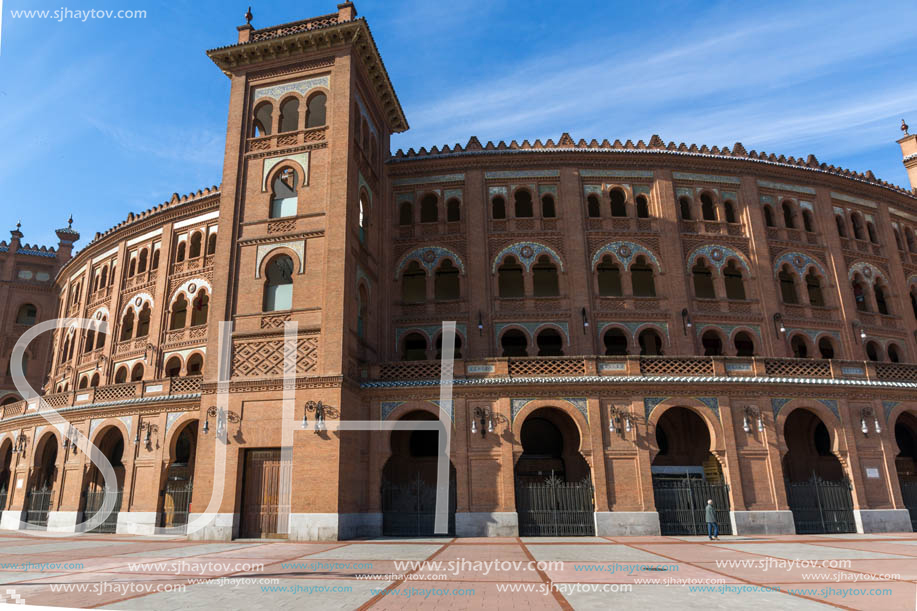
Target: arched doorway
column 178, row 476
column 38, row 499
column 409, row 481
column 110, row 443
column 905, row 462
column 554, row 493
column 6, row 457
column 686, row 475
column 817, row 490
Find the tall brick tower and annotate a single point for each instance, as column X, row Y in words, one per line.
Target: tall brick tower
column 311, row 110
column 909, row 152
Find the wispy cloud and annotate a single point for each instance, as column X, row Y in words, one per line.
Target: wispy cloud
column 173, row 142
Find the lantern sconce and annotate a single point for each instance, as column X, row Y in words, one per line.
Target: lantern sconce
column 779, row 329
column 859, row 331
column 480, row 323
column 150, row 428
column 21, row 444
column 619, row 420
column 869, row 414
column 487, row 418
column 70, row 441
column 752, row 414
column 685, row 321
column 585, row 321
column 322, row 412
column 221, row 417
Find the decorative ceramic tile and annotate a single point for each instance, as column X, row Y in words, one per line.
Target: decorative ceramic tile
column 429, row 257
column 625, row 252
column 527, row 253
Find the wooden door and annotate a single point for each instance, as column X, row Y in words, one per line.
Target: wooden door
column 261, row 493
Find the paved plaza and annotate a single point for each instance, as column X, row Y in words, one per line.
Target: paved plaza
column 762, row 572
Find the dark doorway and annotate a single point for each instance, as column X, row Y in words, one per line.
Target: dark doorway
column 111, row 444
column 261, row 494
column 176, row 492
column 906, row 462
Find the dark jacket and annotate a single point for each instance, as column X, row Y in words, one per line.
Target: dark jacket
column 710, row 512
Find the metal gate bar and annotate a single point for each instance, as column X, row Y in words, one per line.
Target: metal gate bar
column 555, row 508
column 682, row 505
column 821, row 506
column 176, row 504
column 94, row 500
column 409, row 508
column 38, row 503
column 909, row 494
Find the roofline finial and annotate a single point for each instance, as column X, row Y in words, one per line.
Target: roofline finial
column 248, row 16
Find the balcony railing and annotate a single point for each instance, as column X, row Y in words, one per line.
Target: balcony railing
column 103, row 394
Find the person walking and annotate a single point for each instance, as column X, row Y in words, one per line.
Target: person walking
column 713, row 529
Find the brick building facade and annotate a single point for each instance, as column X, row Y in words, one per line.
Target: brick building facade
column 638, row 327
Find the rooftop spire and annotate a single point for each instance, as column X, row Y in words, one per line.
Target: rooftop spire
column 248, row 16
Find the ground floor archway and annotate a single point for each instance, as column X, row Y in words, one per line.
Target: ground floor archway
column 6, row 457
column 906, row 462
column 41, row 485
column 178, row 477
column 686, row 475
column 554, row 492
column 111, row 444
column 817, row 489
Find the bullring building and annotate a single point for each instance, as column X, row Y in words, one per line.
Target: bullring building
column 639, row 327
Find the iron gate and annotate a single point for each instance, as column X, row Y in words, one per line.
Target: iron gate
column 94, row 500
column 682, row 506
column 38, row 504
column 2, row 499
column 409, row 508
column 821, row 506
column 909, row 494
column 555, row 508
column 176, row 503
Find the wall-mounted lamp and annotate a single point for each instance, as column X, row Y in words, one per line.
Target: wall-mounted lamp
column 21, row 444
column 858, row 330
column 69, row 439
column 685, row 321
column 221, row 417
column 150, row 428
column 487, row 418
column 322, row 412
column 585, row 321
column 869, row 414
column 480, row 323
column 779, row 329
column 752, row 414
column 619, row 420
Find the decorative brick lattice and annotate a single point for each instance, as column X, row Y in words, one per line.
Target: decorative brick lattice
column 58, row 400
column 546, row 367
column 189, row 384
column 896, row 371
column 676, row 367
column 411, row 370
column 116, row 391
column 264, row 358
column 274, row 321
column 198, row 332
column 797, row 368
column 281, row 226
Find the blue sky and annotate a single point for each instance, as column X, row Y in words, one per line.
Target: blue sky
column 105, row 117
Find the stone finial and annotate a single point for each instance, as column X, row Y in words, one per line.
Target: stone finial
column 248, row 16
column 904, row 127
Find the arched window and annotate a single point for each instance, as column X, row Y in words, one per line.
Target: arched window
column 179, row 314
column 841, row 225
column 643, row 207
column 94, row 381
column 278, row 285
column 712, row 343
column 100, row 336
column 211, row 245
column 132, row 267
column 881, row 303
column 90, row 343
column 744, row 344
column 315, row 110
column 362, row 305
column 143, row 321
column 825, row 348
column 173, row 367
column 650, row 343
column 808, row 223
column 84, row 382
column 894, row 353
column 514, row 343
column 859, row 295
column 284, row 199
column 414, row 283
column 195, row 364
column 641, row 276
column 456, row 348
column 732, row 279
column 127, row 326
column 548, row 209
column 180, row 252
column 510, row 278
column 684, row 205
column 199, row 308
column 544, row 278
column 26, row 314
column 730, row 212
column 103, row 281
column 769, row 216
column 609, row 276
column 155, row 263
column 498, row 207
column 707, row 207
column 873, row 352
column 289, row 115
column 142, row 261
column 446, row 281
column 550, row 343
column 615, row 342
column 405, row 213
column 911, row 242
column 898, row 241
column 194, row 251
column 857, row 221
column 789, row 215
column 415, row 347
column 871, row 230
column 703, row 281
column 618, row 202
column 523, row 204
column 137, row 372
column 914, row 300
column 363, row 218
column 813, row 287
column 788, row 286
column 453, row 210
column 593, row 209
column 262, row 122
column 799, row 346
column 429, row 209
column 121, row 375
